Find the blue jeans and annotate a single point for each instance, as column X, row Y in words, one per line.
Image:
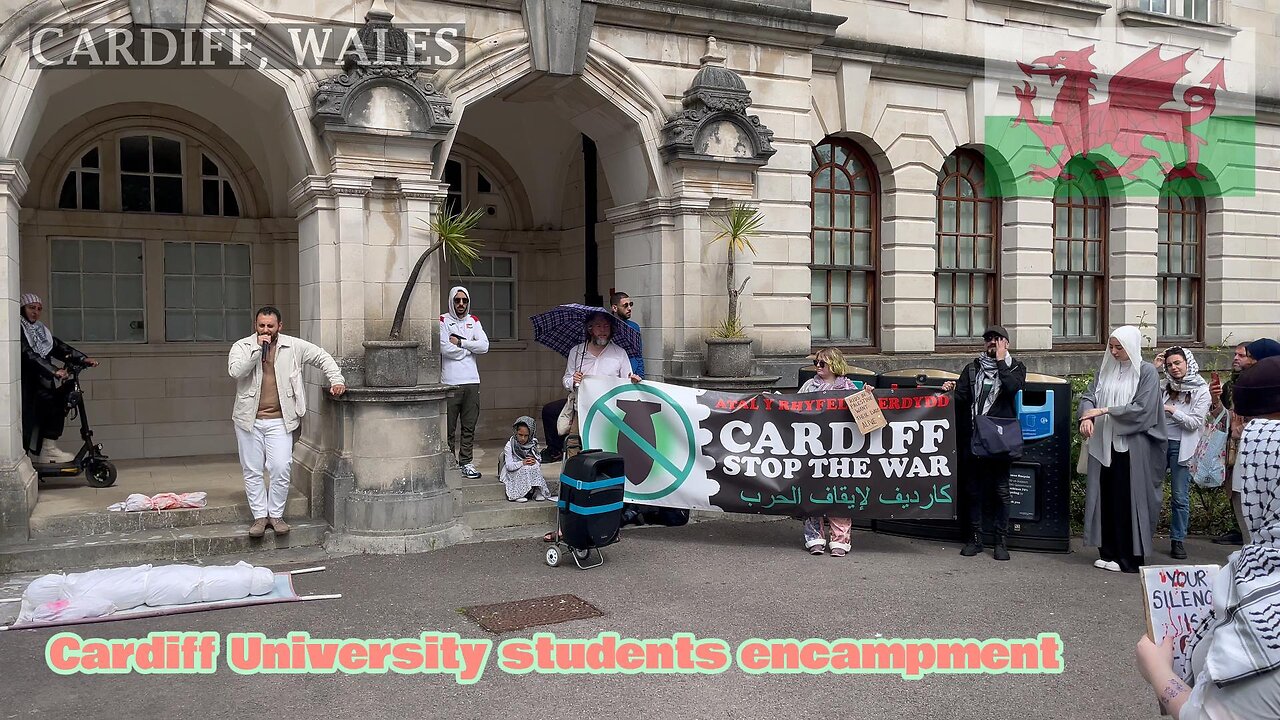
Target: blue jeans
column 1180, row 502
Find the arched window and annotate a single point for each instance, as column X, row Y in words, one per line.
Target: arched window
column 1180, row 264
column 150, row 174
column 843, row 266
column 968, row 250
column 216, row 191
column 82, row 186
column 1079, row 256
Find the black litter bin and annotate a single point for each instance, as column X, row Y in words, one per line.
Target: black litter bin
column 910, row 378
column 856, row 374
column 1039, row 481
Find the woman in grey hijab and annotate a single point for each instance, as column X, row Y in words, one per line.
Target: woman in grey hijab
column 520, row 470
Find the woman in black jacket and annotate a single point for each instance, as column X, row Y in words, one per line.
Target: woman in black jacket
column 988, row 386
column 44, row 399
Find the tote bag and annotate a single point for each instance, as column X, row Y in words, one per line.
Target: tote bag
column 1209, row 464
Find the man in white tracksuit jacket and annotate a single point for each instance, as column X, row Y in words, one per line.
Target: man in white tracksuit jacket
column 461, row 339
column 270, row 402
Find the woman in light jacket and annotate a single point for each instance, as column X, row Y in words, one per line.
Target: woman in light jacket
column 1186, row 404
column 1122, row 417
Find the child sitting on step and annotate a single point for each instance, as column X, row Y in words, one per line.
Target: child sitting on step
column 520, row 470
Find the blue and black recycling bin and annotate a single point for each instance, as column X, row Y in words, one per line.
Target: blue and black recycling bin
column 1039, row 481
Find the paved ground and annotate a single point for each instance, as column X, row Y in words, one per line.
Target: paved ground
column 722, row 579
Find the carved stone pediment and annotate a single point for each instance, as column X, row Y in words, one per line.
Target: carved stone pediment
column 377, row 94
column 714, row 124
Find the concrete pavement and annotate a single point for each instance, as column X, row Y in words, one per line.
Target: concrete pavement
column 723, row 579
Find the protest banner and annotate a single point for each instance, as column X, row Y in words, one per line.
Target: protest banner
column 775, row 454
column 1176, row 598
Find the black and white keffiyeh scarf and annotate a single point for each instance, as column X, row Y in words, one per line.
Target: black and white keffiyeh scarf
column 38, row 337
column 1246, row 636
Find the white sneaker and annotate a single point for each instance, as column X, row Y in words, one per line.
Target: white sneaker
column 469, row 471
column 51, row 453
column 1111, row 565
column 522, row 499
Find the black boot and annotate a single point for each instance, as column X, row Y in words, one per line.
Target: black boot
column 1001, row 552
column 1176, row 551
column 974, row 546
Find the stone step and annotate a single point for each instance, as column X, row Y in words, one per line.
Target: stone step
column 503, row 514
column 107, row 522
column 485, row 490
column 166, row 545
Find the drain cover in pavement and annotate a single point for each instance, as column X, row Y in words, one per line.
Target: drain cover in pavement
column 521, row 614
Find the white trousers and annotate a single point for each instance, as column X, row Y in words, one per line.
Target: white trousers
column 267, row 447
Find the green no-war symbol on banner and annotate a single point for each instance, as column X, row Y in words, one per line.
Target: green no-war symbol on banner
column 664, row 440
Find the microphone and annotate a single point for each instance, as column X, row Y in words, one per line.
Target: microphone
column 266, row 348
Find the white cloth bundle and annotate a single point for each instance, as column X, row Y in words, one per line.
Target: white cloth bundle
column 163, row 501
column 130, row 587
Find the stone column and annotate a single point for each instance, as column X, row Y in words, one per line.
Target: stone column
column 18, row 484
column 1026, row 270
column 1131, row 266
column 908, row 259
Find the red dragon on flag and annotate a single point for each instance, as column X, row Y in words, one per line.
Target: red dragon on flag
column 1138, row 106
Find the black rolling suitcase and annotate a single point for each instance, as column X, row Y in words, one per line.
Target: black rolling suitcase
column 589, row 512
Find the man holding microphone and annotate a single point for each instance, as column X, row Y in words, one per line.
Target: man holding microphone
column 269, row 405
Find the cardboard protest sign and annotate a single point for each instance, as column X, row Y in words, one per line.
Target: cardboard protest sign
column 866, row 411
column 1176, row 599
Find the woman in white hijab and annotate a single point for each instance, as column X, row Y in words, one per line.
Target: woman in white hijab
column 1235, row 657
column 1122, row 420
column 44, row 401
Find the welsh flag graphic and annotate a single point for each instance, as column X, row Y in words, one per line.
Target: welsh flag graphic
column 1162, row 122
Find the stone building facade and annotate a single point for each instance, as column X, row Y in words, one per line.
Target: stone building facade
column 154, row 208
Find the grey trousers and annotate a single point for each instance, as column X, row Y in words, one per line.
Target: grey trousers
column 465, row 406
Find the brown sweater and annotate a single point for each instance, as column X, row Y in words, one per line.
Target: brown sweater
column 269, row 394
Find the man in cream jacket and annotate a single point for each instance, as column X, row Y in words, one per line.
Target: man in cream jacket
column 270, row 402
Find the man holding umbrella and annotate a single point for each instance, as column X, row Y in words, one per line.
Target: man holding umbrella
column 599, row 354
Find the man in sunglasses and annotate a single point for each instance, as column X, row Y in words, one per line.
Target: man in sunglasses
column 988, row 386
column 461, row 339
column 622, row 306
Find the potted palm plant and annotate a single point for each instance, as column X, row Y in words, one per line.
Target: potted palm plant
column 394, row 362
column 728, row 347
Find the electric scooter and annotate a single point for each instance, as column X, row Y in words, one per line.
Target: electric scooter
column 99, row 472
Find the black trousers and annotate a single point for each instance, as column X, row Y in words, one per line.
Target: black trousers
column 1116, row 503
column 986, row 489
column 551, row 411
column 44, row 414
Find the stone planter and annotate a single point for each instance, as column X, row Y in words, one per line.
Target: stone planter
column 729, row 357
column 390, row 363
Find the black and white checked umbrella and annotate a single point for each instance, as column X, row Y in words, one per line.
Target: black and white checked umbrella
column 563, row 327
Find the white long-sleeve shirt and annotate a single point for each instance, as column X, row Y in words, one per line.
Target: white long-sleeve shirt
column 613, row 362
column 458, row 364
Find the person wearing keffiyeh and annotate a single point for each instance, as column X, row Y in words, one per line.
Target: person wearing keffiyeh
column 44, row 399
column 988, row 386
column 1186, row 405
column 520, row 469
column 1235, row 653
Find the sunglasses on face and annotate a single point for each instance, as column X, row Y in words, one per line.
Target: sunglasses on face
column 820, row 363
column 460, row 301
column 627, row 305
